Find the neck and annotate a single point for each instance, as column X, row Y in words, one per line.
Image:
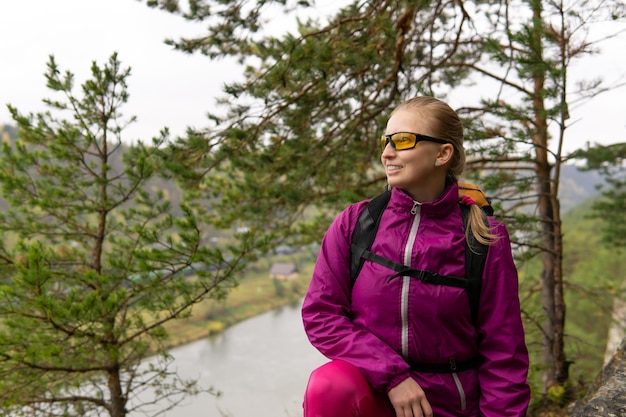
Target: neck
column 427, row 192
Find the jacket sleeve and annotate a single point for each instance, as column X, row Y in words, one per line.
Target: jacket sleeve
column 326, row 313
column 503, row 374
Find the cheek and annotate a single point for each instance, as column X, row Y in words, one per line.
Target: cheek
column 427, row 158
column 421, row 167
column 419, row 161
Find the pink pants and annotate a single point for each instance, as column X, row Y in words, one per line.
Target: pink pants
column 338, row 389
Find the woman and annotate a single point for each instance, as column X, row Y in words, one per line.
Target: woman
column 378, row 332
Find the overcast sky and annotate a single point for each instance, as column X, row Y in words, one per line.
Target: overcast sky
column 166, row 87
column 169, row 88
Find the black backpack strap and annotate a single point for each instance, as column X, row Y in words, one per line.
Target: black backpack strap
column 406, row 271
column 475, row 257
column 365, row 232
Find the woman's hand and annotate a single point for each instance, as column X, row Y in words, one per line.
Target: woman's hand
column 409, row 400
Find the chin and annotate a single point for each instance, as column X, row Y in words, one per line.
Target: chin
column 394, row 183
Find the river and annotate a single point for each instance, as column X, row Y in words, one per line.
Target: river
column 260, row 365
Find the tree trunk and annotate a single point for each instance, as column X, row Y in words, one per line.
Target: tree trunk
column 549, row 213
column 548, row 279
column 561, row 365
column 118, row 401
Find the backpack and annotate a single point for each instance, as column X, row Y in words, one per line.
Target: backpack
column 475, row 252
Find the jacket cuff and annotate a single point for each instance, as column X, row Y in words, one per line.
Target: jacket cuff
column 399, row 378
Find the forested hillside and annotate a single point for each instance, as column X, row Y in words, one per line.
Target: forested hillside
column 593, row 275
column 576, row 186
column 9, row 133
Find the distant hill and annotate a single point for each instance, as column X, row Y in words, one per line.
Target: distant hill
column 593, row 273
column 7, row 132
column 169, row 188
column 577, row 186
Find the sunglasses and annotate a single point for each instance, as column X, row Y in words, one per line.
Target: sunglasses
column 402, row 141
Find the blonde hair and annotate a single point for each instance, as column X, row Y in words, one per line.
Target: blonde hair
column 445, row 124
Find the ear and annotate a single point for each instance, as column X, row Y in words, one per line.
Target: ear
column 445, row 154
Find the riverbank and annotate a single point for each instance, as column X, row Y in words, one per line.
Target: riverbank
column 256, row 293
column 265, row 360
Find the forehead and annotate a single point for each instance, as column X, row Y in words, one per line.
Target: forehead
column 409, row 120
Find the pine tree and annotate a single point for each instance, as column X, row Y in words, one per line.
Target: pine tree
column 95, row 259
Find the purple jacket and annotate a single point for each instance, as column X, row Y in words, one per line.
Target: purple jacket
column 380, row 325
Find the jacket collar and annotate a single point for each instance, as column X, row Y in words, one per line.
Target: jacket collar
column 441, row 207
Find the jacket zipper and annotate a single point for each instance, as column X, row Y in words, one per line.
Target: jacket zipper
column 415, row 211
column 459, row 387
column 404, row 302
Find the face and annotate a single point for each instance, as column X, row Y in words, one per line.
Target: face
column 415, row 170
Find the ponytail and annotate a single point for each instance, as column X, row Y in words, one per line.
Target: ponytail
column 478, row 226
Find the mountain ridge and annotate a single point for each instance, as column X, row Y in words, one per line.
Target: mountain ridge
column 576, row 185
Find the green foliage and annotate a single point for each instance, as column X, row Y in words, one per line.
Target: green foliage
column 611, row 162
column 593, row 279
column 279, row 288
column 94, row 260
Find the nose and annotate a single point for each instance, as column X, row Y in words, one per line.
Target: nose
column 389, row 150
